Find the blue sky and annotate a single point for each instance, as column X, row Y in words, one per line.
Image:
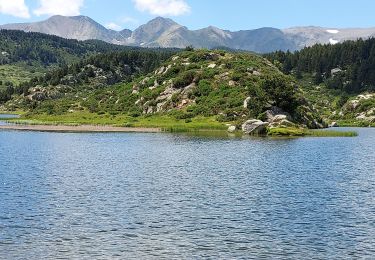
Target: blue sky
column 195, row 14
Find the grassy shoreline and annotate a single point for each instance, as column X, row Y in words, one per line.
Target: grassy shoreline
column 17, row 112
column 166, row 123
column 354, row 123
column 301, row 132
column 86, row 122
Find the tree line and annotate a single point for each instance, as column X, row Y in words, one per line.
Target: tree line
column 119, row 64
column 348, row 66
column 19, row 46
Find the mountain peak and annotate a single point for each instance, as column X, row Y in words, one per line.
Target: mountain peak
column 78, row 18
column 152, row 30
column 162, row 21
column 166, row 33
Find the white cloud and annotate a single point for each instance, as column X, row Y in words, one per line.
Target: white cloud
column 59, row 7
column 16, row 8
column 163, row 7
column 113, row 26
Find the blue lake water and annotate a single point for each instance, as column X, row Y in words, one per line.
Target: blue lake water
column 142, row 196
column 6, row 116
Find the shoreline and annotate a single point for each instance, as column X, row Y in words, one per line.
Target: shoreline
column 80, row 129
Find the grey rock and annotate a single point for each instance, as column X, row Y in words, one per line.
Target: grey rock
column 334, row 124
column 286, row 123
column 277, row 114
column 254, row 127
column 38, row 96
column 335, row 71
column 246, row 102
column 232, row 129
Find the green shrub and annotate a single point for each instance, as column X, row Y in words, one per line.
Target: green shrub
column 184, row 79
column 262, row 116
column 204, row 88
column 179, row 114
column 367, row 104
column 175, row 98
column 209, row 73
column 173, row 72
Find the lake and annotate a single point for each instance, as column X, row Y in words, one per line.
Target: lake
column 7, row 116
column 174, row 196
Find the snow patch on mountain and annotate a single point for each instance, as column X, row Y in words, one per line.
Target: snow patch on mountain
column 333, row 31
column 333, row 42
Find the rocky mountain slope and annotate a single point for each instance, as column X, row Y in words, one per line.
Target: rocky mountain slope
column 308, row 36
column 74, row 27
column 162, row 32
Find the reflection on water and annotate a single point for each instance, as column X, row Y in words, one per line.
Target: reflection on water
column 8, row 116
column 5, row 117
column 121, row 196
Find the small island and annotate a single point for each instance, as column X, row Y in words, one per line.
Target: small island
column 188, row 90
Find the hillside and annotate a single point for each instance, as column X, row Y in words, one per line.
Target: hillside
column 42, row 49
column 26, row 56
column 219, row 85
column 166, row 33
column 339, row 79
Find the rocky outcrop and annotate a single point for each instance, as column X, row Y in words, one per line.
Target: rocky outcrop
column 254, row 127
column 367, row 116
column 43, row 93
column 276, row 117
column 362, row 108
column 277, row 113
column 281, row 121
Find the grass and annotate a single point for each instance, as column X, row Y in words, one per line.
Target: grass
column 355, row 123
column 278, row 131
column 16, row 112
column 166, row 123
column 34, row 122
column 18, row 73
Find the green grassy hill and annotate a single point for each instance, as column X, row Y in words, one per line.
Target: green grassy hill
column 192, row 89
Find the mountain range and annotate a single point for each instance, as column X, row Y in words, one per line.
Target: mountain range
column 164, row 32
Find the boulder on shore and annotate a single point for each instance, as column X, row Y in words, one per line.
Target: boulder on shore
column 334, row 124
column 232, row 129
column 254, row 127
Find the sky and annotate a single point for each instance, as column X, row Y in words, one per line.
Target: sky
column 195, row 14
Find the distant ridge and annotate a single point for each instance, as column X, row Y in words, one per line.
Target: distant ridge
column 164, row 32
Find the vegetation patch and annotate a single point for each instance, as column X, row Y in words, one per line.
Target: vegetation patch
column 308, row 132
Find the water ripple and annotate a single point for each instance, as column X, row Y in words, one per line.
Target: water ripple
column 166, row 196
